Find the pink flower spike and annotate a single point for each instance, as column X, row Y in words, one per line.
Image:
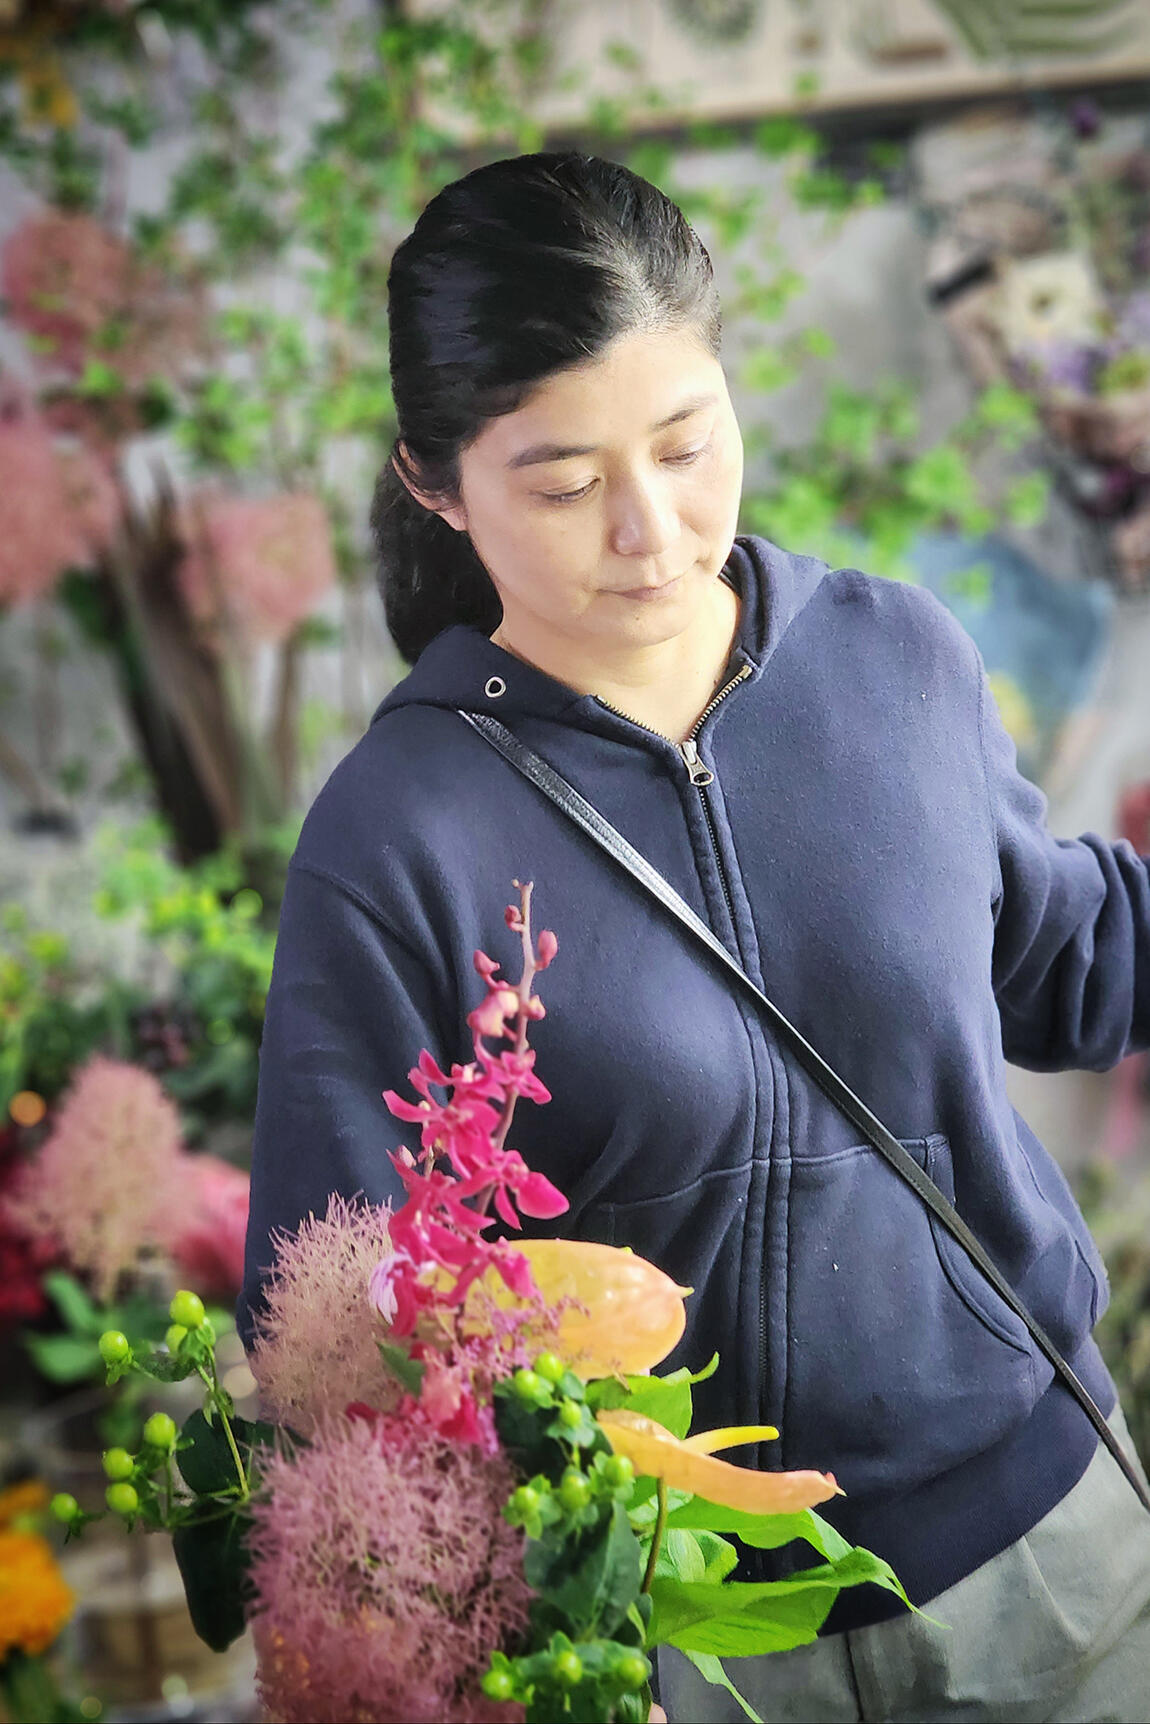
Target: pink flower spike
column 515, row 1270
column 503, row 1205
column 381, row 1284
column 536, row 1196
column 488, row 1018
column 548, row 946
column 405, row 1109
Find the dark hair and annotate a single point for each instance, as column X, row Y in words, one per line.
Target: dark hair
column 522, row 268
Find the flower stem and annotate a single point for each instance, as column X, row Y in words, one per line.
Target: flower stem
column 213, row 1389
column 657, row 1537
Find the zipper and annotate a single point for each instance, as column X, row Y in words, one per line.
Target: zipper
column 700, row 774
column 688, row 749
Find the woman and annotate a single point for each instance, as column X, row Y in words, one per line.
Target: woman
column 812, row 759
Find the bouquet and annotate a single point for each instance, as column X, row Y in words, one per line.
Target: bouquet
column 472, row 1499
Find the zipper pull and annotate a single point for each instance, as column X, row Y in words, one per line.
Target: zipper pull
column 699, row 773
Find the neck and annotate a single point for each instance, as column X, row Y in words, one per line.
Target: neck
column 665, row 686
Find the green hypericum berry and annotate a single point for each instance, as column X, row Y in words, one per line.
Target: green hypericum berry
column 187, row 1308
column 631, row 1671
column 114, row 1347
column 174, row 1336
column 160, row 1430
column 118, row 1463
column 574, row 1490
column 122, row 1499
column 498, row 1685
column 525, row 1500
column 550, row 1367
column 618, row 1470
column 567, row 1669
column 65, row 1507
column 571, row 1414
column 527, row 1385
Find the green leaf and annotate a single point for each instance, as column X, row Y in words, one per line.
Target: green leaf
column 400, row 1363
column 761, row 1531
column 711, row 1668
column 64, row 1358
column 213, row 1560
column 742, row 1619
column 74, row 1304
column 591, row 1581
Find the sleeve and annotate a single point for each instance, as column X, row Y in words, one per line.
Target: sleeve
column 1071, row 965
column 349, row 1008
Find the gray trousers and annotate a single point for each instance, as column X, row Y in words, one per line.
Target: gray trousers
column 1054, row 1630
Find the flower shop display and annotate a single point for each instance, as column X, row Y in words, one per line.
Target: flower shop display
column 1040, row 246
column 470, row 1498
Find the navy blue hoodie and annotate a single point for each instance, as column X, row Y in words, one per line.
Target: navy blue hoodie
column 870, row 853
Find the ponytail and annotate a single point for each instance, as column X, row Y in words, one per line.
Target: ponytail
column 430, row 574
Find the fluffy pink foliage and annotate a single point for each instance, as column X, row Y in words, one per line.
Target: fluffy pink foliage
column 262, row 564
column 208, row 1244
column 55, row 511
column 106, row 1183
column 316, row 1344
column 63, row 276
column 383, row 1576
column 82, row 292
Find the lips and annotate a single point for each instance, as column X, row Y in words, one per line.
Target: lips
column 648, row 592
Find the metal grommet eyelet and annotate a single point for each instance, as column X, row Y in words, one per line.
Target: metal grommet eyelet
column 494, row 687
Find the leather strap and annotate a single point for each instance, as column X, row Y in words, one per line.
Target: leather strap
column 585, row 815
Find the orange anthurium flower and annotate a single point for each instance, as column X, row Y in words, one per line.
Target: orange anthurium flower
column 632, row 1316
column 689, row 1465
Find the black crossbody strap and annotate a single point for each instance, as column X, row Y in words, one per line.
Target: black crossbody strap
column 600, row 830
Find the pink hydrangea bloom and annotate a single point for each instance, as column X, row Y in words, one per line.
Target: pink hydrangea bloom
column 83, row 294
column 317, row 1338
column 53, row 515
column 262, row 564
column 105, row 1185
column 383, row 1575
column 208, row 1244
column 63, row 276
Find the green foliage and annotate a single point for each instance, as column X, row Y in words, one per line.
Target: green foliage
column 1117, row 1208
column 587, row 1549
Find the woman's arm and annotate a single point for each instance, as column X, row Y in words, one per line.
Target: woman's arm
column 349, row 1008
column 1072, row 928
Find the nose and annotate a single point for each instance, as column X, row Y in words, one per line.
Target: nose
column 644, row 522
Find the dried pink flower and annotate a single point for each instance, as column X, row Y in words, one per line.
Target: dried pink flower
column 105, row 1184
column 262, row 564
column 383, row 1576
column 316, row 1344
column 46, row 524
column 208, row 1244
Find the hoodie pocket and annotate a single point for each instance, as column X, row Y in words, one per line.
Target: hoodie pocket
column 902, row 1360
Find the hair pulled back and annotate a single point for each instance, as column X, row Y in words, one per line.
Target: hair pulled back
column 521, row 269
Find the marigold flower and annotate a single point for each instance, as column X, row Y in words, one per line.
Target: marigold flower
column 35, row 1603
column 688, row 1465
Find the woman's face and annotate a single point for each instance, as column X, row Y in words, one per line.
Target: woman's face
column 606, row 505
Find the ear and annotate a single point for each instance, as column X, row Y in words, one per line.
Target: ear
column 453, row 513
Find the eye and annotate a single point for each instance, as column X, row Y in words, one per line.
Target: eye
column 683, row 459
column 569, row 496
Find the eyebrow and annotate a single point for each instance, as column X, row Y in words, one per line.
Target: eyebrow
column 542, row 452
